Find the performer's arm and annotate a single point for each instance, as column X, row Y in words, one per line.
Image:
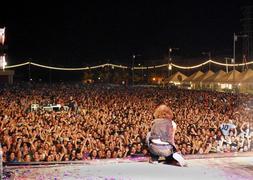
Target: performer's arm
column 174, row 127
column 235, row 131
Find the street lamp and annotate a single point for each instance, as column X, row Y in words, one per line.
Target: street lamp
column 142, row 78
column 227, row 58
column 234, row 55
column 133, row 59
column 235, row 39
column 209, row 57
column 133, row 69
column 233, row 62
column 207, row 53
column 170, row 60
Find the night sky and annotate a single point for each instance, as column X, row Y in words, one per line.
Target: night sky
column 72, row 33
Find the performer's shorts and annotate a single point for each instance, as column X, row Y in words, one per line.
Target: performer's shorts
column 161, row 149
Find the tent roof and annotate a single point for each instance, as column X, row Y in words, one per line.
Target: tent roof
column 204, row 76
column 177, row 77
column 232, row 76
column 194, row 76
column 246, row 76
column 214, row 77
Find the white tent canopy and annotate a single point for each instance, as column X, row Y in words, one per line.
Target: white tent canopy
column 193, row 76
column 178, row 77
column 204, row 76
column 232, row 77
column 246, row 76
column 215, row 77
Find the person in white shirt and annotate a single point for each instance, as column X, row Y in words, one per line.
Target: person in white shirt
column 226, row 127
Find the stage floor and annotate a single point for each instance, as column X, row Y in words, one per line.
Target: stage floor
column 235, row 168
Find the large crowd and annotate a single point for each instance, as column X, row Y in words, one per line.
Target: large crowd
column 98, row 122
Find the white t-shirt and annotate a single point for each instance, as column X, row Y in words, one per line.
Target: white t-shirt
column 225, row 127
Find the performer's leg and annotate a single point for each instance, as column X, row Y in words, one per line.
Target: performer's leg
column 179, row 158
column 153, row 158
column 175, row 158
column 169, row 158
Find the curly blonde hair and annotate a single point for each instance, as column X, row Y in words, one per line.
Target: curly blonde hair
column 163, row 111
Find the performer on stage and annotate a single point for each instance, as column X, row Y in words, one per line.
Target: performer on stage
column 161, row 138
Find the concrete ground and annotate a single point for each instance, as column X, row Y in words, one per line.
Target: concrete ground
column 229, row 168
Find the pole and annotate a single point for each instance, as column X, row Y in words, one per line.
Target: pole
column 142, row 74
column 133, row 69
column 248, row 48
column 29, row 71
column 226, row 65
column 50, row 73
column 209, row 56
column 235, row 37
column 169, row 61
column 233, row 85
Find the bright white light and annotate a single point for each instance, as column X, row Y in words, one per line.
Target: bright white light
column 99, row 78
column 2, row 35
column 226, row 86
column 3, row 62
column 176, row 83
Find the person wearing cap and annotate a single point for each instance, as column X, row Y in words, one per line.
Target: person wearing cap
column 160, row 139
